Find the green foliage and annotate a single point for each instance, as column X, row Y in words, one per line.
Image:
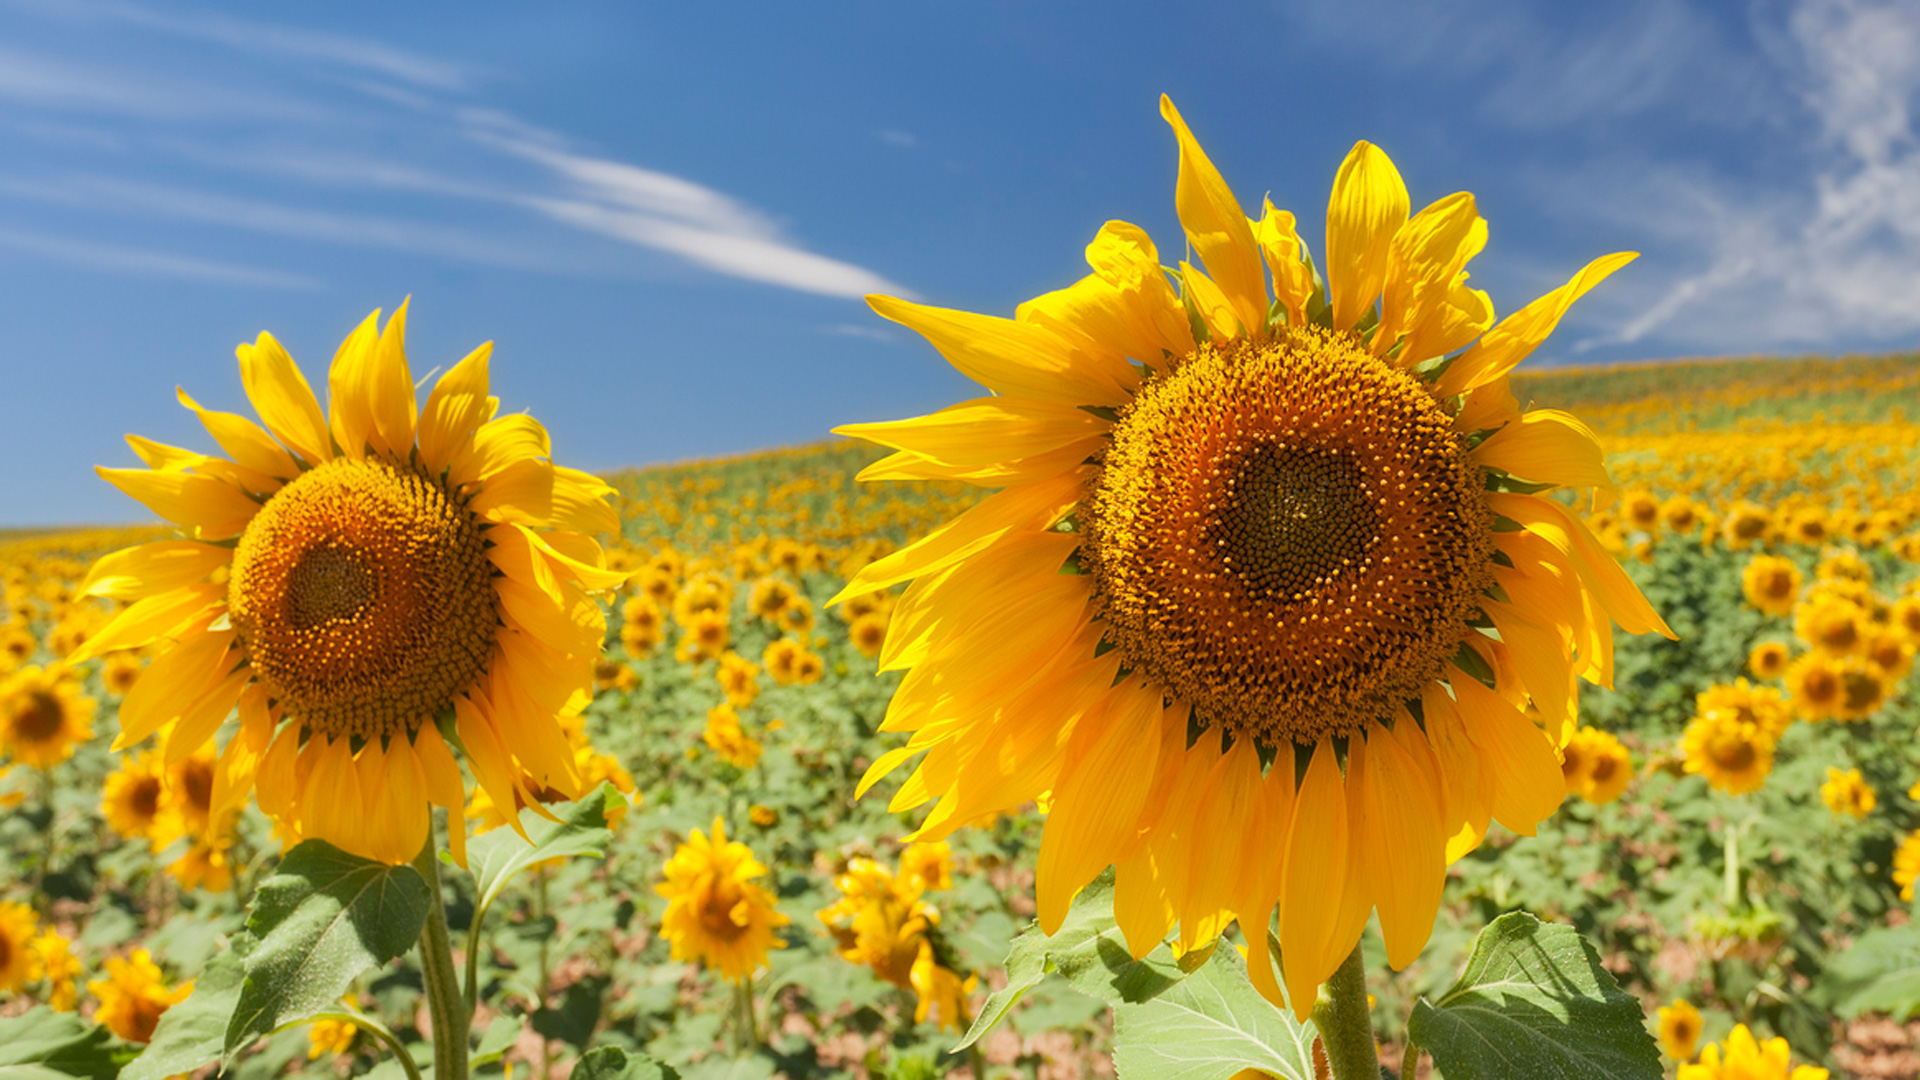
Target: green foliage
column 1208, row 1026
column 1880, row 973
column 324, row 918
column 194, row 1032
column 1535, row 1002
column 496, row 856
column 613, row 1063
column 44, row 1045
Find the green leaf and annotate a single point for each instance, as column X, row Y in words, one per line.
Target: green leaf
column 1210, row 1026
column 1089, row 951
column 501, row 1034
column 318, row 923
column 613, row 1063
column 1880, row 973
column 582, row 830
column 194, row 1032
column 41, row 1043
column 1535, row 1002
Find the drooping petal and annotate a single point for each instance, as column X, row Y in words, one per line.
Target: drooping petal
column 190, row 607
column 1547, row 446
column 1406, row 847
column 1217, row 227
column 1517, row 335
column 984, row 431
column 1425, row 261
column 1516, row 760
column 212, row 508
column 1368, row 206
column 1093, row 817
column 1293, row 277
column 172, row 683
column 1317, row 858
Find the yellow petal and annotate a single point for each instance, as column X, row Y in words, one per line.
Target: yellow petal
column 283, row 399
column 1547, row 446
column 499, row 444
column 1520, row 774
column 147, row 621
column 984, row 431
column 350, row 389
column 907, row 465
column 138, row 572
column 1406, row 852
column 1026, row 506
column 1517, row 335
column 1007, row 356
column 1540, row 657
column 1217, row 227
column 1368, row 206
column 335, row 807
column 579, row 503
column 212, row 508
column 492, row 765
column 201, row 719
column 1156, row 326
column 1223, row 321
column 1463, row 813
column 1317, row 858
column 1092, row 816
column 455, row 409
column 1293, row 278
column 1618, row 594
column 392, row 399
column 172, row 683
column 243, row 440
column 1140, row 907
column 1424, row 267
column 521, row 493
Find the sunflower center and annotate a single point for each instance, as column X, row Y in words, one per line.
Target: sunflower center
column 363, row 593
column 1861, row 689
column 145, row 797
column 716, row 913
column 1604, row 768
column 1735, row 754
column 1288, row 535
column 41, row 719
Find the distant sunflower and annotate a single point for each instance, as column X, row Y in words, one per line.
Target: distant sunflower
column 1772, row 584
column 1906, row 863
column 1734, row 755
column 364, row 584
column 1831, row 625
column 716, row 913
column 1764, row 707
column 1745, row 1058
column 135, row 801
column 1769, row 660
column 1814, row 686
column 1746, row 525
column 1285, row 520
column 1680, row 1030
column 19, row 959
column 1848, row 793
column 1596, row 765
column 43, row 715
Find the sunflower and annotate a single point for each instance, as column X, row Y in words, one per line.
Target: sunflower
column 330, row 1037
column 43, row 715
column 1745, row 1058
column 1596, row 765
column 1742, row 702
column 716, row 913
column 1772, row 584
column 1681, row 515
column 1830, row 624
column 1888, row 650
column 135, row 802
column 725, row 737
column 941, row 992
column 931, row 864
column 1680, row 1030
column 770, row 596
column 1848, row 793
column 1814, row 687
column 1641, row 509
column 1864, row 688
column 879, row 920
column 1734, row 755
column 1768, row 660
column 120, row 672
column 1809, row 525
column 1906, row 617
column 19, row 961
column 134, row 995
column 1906, row 863
column 1745, row 525
column 1278, row 521
column 60, row 968
column 365, row 585
column 739, row 679
column 205, row 864
column 868, row 633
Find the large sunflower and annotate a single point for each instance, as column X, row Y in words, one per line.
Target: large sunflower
column 1271, row 579
column 364, row 585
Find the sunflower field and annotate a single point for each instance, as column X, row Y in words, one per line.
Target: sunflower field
column 1738, row 844
column 1232, row 692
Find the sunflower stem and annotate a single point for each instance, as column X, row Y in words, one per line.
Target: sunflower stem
column 1730, row 891
column 445, row 1002
column 1346, row 1025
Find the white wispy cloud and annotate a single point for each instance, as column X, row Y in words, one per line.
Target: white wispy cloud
column 246, row 35
column 669, row 213
column 29, row 79
column 148, row 263
column 856, row 330
column 1831, row 255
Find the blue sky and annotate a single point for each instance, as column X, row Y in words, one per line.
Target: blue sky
column 665, row 217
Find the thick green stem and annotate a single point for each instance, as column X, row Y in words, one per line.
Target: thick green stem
column 540, row 912
column 1345, row 1023
column 452, row 1020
